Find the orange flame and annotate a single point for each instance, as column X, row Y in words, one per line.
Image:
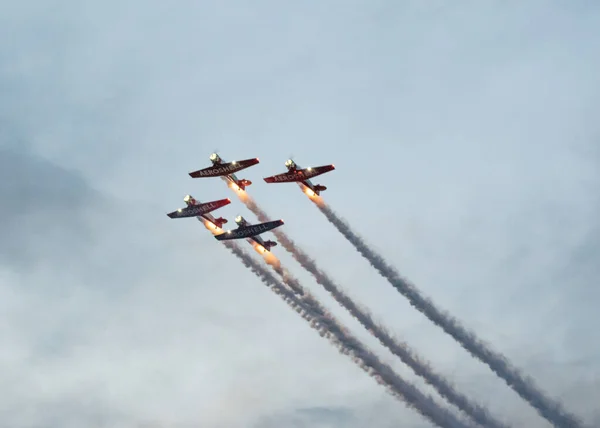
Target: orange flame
column 270, row 258
column 234, row 186
column 313, row 196
column 213, row 228
column 238, row 191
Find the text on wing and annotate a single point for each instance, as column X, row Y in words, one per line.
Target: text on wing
column 228, row 168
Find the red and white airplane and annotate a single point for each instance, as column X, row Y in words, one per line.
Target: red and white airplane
column 251, row 232
column 226, row 170
column 201, row 210
column 301, row 176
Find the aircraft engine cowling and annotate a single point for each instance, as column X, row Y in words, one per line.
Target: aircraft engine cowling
column 215, row 158
column 189, row 200
column 240, row 220
column 290, row 164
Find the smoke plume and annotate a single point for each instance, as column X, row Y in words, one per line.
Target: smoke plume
column 524, row 386
column 329, row 327
column 400, row 349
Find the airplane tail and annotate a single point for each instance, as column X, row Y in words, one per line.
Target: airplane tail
column 243, row 183
column 319, row 188
column 220, row 222
column 270, row 244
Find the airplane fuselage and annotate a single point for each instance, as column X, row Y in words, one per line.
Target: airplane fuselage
column 258, row 240
column 307, row 183
column 208, row 217
column 232, row 178
column 253, row 231
column 310, row 185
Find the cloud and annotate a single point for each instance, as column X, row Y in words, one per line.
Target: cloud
column 44, row 206
column 93, row 335
column 466, row 147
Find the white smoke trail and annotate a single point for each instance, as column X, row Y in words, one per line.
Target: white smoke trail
column 401, row 350
column 551, row 410
column 329, row 327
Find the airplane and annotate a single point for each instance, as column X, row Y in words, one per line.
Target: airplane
column 226, row 170
column 198, row 209
column 251, row 231
column 301, row 176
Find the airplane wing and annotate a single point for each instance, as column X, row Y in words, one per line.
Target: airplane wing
column 224, row 168
column 249, row 231
column 299, row 175
column 199, row 209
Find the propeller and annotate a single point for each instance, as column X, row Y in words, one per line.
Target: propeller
column 291, row 157
column 216, row 151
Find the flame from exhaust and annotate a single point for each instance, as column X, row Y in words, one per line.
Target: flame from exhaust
column 315, row 198
column 213, row 228
column 270, row 258
column 309, row 192
column 234, row 186
column 259, row 248
column 238, row 191
column 311, row 195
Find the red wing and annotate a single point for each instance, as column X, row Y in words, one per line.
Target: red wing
column 224, row 168
column 286, row 177
column 207, row 207
column 299, row 175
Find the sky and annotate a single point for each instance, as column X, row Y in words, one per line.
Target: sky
column 467, row 152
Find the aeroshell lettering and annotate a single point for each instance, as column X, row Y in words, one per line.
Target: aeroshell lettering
column 287, row 177
column 251, row 231
column 204, row 207
column 257, row 229
column 220, row 170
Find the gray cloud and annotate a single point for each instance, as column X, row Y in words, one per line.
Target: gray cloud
column 44, row 207
column 311, row 417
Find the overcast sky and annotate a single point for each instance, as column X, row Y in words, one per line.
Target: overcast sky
column 467, row 146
